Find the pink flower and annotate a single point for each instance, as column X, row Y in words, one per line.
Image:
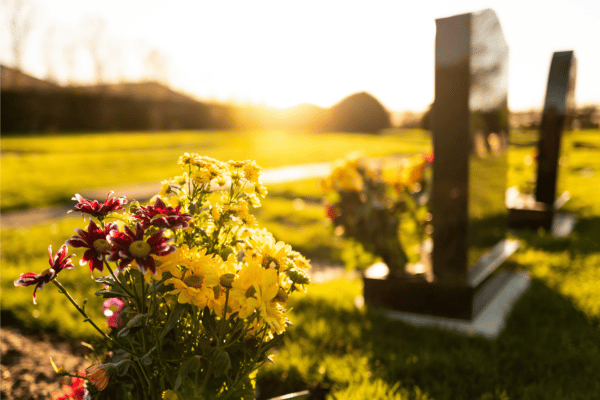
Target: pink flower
column 162, row 216
column 57, row 262
column 94, row 240
column 76, row 390
column 96, row 209
column 114, row 320
column 131, row 246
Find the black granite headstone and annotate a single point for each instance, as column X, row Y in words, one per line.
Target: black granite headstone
column 539, row 210
column 470, row 141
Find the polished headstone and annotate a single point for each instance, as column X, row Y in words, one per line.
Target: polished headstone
column 559, row 103
column 539, row 209
column 470, row 142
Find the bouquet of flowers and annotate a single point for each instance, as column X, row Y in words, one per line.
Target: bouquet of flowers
column 368, row 200
column 195, row 292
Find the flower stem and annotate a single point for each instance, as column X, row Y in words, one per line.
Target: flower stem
column 62, row 290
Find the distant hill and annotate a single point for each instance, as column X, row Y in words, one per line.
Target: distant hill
column 359, row 112
column 145, row 90
column 13, row 79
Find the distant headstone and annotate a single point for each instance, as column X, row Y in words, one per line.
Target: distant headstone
column 539, row 210
column 470, row 141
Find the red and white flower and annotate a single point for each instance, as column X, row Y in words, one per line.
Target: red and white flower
column 162, row 216
column 95, row 209
column 57, row 262
column 131, row 246
column 96, row 243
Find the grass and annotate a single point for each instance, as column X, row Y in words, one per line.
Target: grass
column 48, row 169
column 550, row 348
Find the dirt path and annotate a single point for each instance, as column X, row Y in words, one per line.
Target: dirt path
column 26, row 369
column 144, row 191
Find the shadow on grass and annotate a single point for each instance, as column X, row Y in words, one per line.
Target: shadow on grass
column 549, row 349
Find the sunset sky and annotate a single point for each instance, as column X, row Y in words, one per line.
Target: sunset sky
column 282, row 53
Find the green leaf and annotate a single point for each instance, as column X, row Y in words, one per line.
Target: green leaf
column 173, row 319
column 108, row 293
column 147, row 358
column 190, row 364
column 208, row 321
column 222, row 363
column 135, row 322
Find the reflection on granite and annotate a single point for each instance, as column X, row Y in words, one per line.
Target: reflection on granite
column 470, row 139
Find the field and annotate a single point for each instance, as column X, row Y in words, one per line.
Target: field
column 45, row 170
column 550, row 348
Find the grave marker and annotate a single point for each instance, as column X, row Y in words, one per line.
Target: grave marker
column 470, row 141
column 538, row 210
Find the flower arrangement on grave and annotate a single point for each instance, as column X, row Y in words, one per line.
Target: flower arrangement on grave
column 195, row 292
column 381, row 206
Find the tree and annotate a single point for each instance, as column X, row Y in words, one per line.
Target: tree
column 21, row 15
column 156, row 66
column 94, row 40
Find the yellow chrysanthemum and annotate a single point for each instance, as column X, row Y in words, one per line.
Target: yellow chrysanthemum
column 412, row 172
column 274, row 315
column 226, row 270
column 194, row 283
column 252, row 172
column 253, row 288
column 345, row 177
column 268, row 253
column 200, row 177
column 168, row 263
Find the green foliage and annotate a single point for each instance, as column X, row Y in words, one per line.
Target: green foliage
column 550, row 348
column 47, row 169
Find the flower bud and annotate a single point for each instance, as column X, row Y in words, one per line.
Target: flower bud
column 226, row 280
column 281, row 296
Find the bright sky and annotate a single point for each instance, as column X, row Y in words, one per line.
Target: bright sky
column 282, row 53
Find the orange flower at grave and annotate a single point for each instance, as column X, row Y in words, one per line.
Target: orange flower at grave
column 97, row 376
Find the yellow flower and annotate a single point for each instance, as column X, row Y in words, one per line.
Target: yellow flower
column 412, row 172
column 274, row 315
column 254, row 288
column 195, row 282
column 168, row 263
column 216, row 211
column 202, row 176
column 170, row 395
column 268, row 253
column 165, row 189
column 252, row 172
column 345, row 177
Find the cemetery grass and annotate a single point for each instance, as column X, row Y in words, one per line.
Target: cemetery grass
column 42, row 170
column 550, row 348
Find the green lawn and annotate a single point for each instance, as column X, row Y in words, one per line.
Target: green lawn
column 45, row 170
column 550, row 348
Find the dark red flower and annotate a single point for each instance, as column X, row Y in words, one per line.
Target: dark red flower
column 114, row 317
column 130, row 246
column 96, row 209
column 96, row 243
column 76, row 390
column 162, row 216
column 57, row 262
